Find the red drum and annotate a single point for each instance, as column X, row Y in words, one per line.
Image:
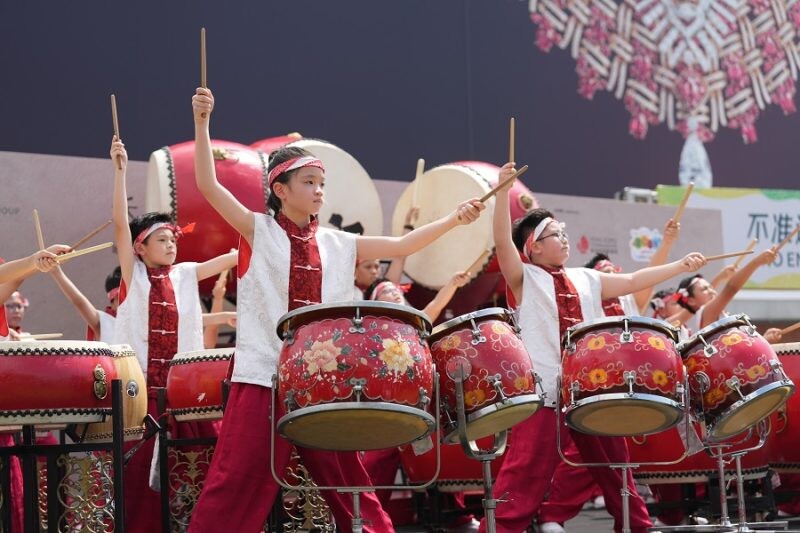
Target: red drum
column 134, row 400
column 696, row 468
column 735, row 378
column 271, row 144
column 55, row 382
column 457, row 472
column 194, row 384
column 440, row 190
column 621, row 376
column 499, row 383
column 171, row 188
column 355, row 376
column 784, row 442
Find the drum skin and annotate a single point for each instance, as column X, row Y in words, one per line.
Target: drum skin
column 731, row 350
column 134, row 400
column 499, row 382
column 194, row 384
column 347, row 367
column 55, row 382
column 599, row 358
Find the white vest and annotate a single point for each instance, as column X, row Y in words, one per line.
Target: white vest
column 131, row 325
column 263, row 293
column 538, row 318
column 107, row 323
column 629, row 306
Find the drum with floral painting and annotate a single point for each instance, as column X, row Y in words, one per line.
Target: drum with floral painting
column 355, row 376
column 735, row 378
column 485, row 350
column 621, row 376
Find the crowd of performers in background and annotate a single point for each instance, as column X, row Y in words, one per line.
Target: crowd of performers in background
column 286, row 261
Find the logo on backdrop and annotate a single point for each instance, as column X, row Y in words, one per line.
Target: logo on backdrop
column 643, row 243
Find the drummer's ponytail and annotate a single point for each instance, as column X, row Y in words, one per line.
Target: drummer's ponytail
column 277, row 157
column 527, row 224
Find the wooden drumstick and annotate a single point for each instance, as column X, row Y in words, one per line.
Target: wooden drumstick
column 748, row 249
column 115, row 120
column 679, row 212
column 790, row 329
column 40, row 336
column 511, row 140
column 203, row 82
column 39, row 238
column 479, row 262
column 91, row 234
column 70, row 255
column 725, row 256
column 788, row 238
column 514, row 176
column 417, row 176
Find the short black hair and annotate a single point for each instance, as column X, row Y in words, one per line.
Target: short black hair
column 142, row 222
column 527, row 224
column 596, row 259
column 281, row 155
column 114, row 279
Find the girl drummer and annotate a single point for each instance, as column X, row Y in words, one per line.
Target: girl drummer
column 287, row 261
column 546, row 290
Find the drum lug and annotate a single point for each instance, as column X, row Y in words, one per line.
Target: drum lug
column 630, row 378
column 574, row 389
column 132, row 389
column 512, row 317
column 751, row 329
column 288, row 337
column 497, row 383
column 626, row 336
column 357, row 321
column 100, row 385
column 424, row 399
column 708, row 349
column 702, row 381
column 777, row 368
column 358, row 386
column 289, row 401
column 735, row 384
column 537, row 379
column 477, row 336
column 568, row 344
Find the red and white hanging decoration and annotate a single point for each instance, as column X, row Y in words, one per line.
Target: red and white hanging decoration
column 720, row 61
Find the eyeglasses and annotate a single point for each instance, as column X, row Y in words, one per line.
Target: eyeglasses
column 561, row 235
column 15, row 307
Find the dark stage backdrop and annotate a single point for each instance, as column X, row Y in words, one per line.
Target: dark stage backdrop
column 387, row 81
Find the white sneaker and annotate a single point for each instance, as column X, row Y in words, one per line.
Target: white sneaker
column 551, row 527
column 469, row 527
column 700, row 520
column 600, row 502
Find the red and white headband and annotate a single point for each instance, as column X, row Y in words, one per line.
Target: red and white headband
column 176, row 230
column 535, row 234
column 605, row 263
column 294, row 164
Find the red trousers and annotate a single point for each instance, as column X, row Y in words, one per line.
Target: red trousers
column 240, row 490
column 531, row 460
column 17, row 505
column 572, row 487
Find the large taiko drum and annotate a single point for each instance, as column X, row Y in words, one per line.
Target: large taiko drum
column 457, row 472
column 696, row 468
column 194, row 384
column 55, row 382
column 355, row 376
column 735, row 378
column 352, row 202
column 171, row 188
column 784, row 443
column 439, row 191
column 134, row 400
column 621, row 376
column 498, row 379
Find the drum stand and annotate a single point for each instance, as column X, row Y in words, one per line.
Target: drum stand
column 473, row 452
column 356, row 522
column 624, row 467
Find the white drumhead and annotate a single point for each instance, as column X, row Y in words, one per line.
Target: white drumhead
column 214, row 353
column 787, row 348
column 53, row 346
column 440, row 191
column 350, row 195
column 157, row 193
